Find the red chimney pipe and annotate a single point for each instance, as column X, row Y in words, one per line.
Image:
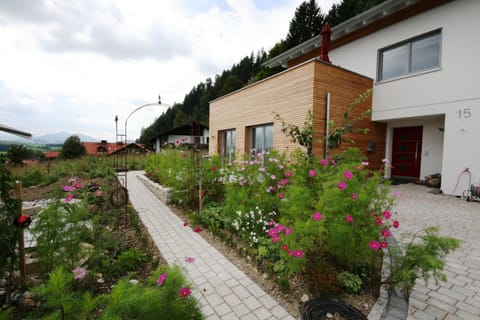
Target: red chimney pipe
column 326, row 32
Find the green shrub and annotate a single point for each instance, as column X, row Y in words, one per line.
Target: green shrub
column 129, row 260
column 350, row 282
column 59, row 229
column 151, row 301
column 60, row 300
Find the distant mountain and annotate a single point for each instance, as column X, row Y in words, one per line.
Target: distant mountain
column 60, row 138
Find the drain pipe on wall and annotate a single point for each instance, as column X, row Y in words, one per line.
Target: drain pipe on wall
column 327, row 125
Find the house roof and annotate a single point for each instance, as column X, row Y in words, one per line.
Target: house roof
column 193, row 128
column 94, row 148
column 52, row 154
column 378, row 17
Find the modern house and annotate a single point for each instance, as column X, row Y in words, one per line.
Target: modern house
column 422, row 57
column 192, row 134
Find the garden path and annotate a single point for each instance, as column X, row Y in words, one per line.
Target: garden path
column 459, row 297
column 224, row 292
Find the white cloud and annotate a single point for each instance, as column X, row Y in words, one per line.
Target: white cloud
column 72, row 65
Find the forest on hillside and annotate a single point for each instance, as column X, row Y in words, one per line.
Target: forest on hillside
column 306, row 23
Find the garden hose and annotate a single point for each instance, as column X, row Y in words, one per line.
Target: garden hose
column 318, row 308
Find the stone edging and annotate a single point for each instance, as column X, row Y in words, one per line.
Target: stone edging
column 389, row 305
column 162, row 193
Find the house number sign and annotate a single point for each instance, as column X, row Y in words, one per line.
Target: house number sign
column 464, row 113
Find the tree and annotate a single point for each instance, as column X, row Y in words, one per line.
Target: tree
column 347, row 9
column 307, row 23
column 17, row 153
column 72, row 148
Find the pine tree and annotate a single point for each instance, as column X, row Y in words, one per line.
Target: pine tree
column 307, row 23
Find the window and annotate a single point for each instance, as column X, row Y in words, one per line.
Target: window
column 261, row 138
column 414, row 55
column 227, row 144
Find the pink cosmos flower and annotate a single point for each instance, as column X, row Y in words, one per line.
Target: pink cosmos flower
column 79, row 273
column 272, row 232
column 185, row 223
column 197, row 229
column 342, row 185
column 354, row 196
column 323, row 162
column 375, row 245
column 299, row 253
column 273, row 177
column 291, row 253
column 185, row 292
column 348, row 174
column 99, row 193
column 177, row 143
column 284, row 247
column 184, row 155
column 386, row 233
column 317, row 216
column 281, row 196
column 78, row 185
column 397, row 194
column 275, row 238
column 189, row 259
column 312, row 173
column 395, row 224
column 288, row 174
column 349, row 218
column 261, row 169
column 385, row 161
column 184, row 139
column 378, row 221
column 69, row 198
column 161, row 279
column 384, row 245
column 68, row 188
column 365, row 163
column 387, row 214
column 288, row 231
column 213, row 168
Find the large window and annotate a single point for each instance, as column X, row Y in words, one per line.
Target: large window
column 227, row 144
column 261, row 138
column 411, row 56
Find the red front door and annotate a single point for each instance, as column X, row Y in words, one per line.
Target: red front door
column 407, row 152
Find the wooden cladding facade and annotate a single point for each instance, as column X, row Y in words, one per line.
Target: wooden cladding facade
column 291, row 94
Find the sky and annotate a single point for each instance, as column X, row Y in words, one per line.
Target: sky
column 74, row 65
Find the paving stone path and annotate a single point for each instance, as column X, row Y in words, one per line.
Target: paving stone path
column 459, row 298
column 224, row 292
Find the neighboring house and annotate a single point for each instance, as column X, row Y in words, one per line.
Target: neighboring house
column 109, row 148
column 191, row 134
column 51, row 155
column 423, row 58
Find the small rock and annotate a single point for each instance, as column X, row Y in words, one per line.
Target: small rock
column 305, row 298
column 329, row 315
column 366, row 306
column 29, row 303
column 265, row 276
column 27, row 295
column 100, row 280
column 133, row 281
column 98, row 275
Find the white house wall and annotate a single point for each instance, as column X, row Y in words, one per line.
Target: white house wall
column 451, row 91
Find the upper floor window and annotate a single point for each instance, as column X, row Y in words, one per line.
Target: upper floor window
column 227, row 144
column 411, row 56
column 261, row 138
